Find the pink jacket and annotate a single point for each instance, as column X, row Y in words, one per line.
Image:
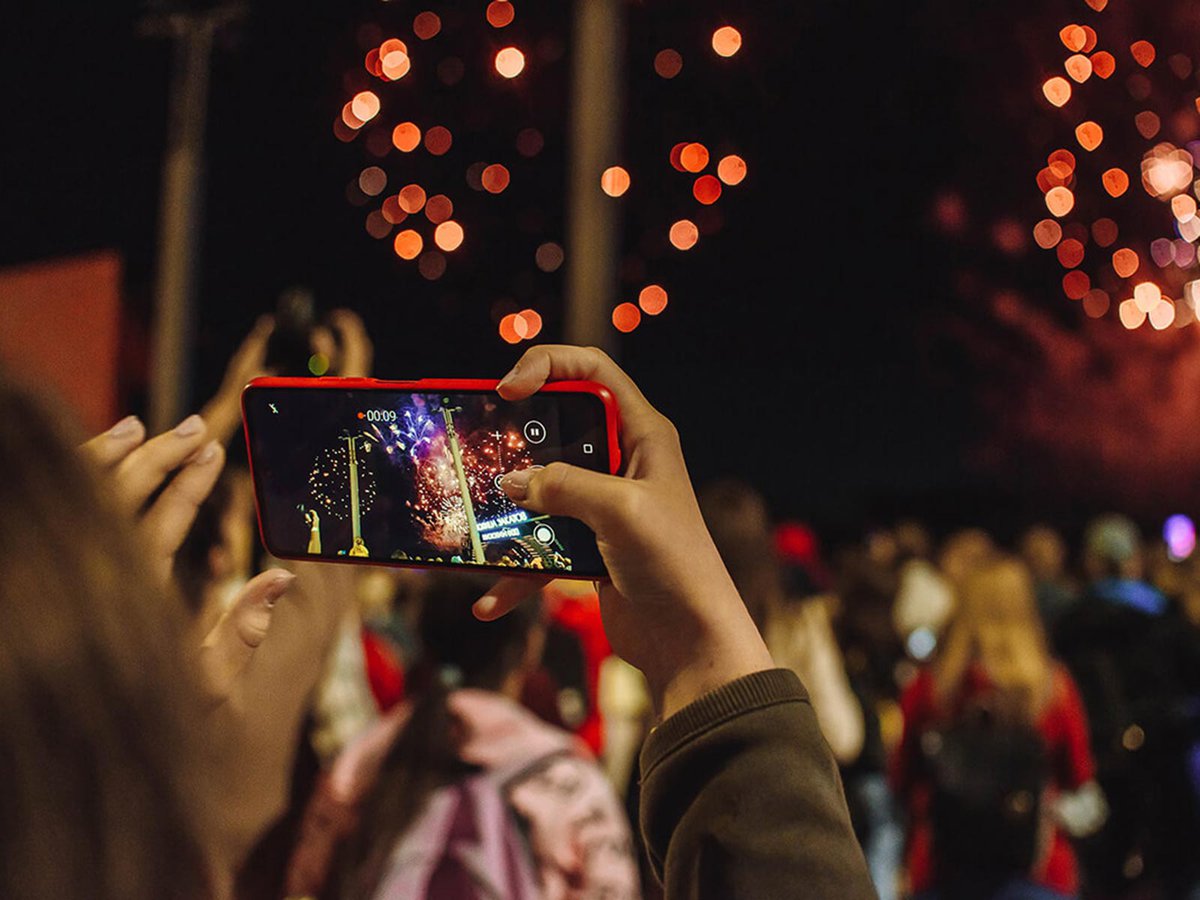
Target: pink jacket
column 578, row 832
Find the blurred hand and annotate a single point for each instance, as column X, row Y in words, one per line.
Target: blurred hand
column 183, row 459
column 357, row 351
column 671, row 608
column 224, row 411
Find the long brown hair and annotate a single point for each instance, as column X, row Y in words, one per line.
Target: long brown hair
column 102, row 795
column 997, row 629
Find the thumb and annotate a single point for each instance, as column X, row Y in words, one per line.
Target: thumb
column 232, row 641
column 561, row 489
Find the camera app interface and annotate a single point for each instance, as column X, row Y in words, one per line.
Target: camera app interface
column 390, row 476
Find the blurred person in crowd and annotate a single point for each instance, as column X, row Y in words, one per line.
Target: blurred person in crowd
column 287, row 344
column 140, row 762
column 965, row 552
column 415, row 804
column 995, row 766
column 1045, row 554
column 1134, row 658
column 120, row 707
column 798, row 630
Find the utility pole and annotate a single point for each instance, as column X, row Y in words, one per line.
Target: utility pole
column 592, row 230
column 181, row 207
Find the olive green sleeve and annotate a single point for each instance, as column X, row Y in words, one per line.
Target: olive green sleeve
column 741, row 799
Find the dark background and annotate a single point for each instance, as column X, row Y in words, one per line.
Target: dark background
column 802, row 348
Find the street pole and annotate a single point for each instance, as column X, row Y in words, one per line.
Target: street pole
column 592, row 229
column 463, row 485
column 181, row 206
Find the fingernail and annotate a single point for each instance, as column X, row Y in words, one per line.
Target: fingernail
column 123, row 429
column 207, row 454
column 190, row 426
column 485, row 605
column 278, row 587
column 512, row 373
column 516, row 484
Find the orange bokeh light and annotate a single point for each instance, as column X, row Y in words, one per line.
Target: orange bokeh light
column 1057, row 90
column 1183, row 207
column 396, row 65
column 426, row 25
column 438, row 140
column 693, row 157
column 1131, row 316
column 392, row 45
column 1062, row 157
column 408, row 244
column 1103, row 64
column 1060, row 201
column 1047, row 233
column 626, row 317
column 500, row 13
column 1143, row 52
column 391, row 210
column 510, row 62
column 372, row 63
column 1095, row 303
column 1147, row 123
column 1163, row 315
column 1073, row 37
column 1115, row 181
column 726, row 40
column 1090, row 135
column 684, row 234
column 412, row 198
column 1090, row 43
column 1146, row 295
column 448, row 235
column 1070, row 253
column 731, row 169
column 1079, row 67
column 1125, row 262
column 494, row 178
column 676, row 153
column 365, row 106
column 1076, row 284
column 652, row 299
column 614, row 181
column 508, row 329
column 438, row 208
column 532, row 320
column 406, row 137
column 372, row 180
column 707, row 189
column 1097, row 5
column 668, row 63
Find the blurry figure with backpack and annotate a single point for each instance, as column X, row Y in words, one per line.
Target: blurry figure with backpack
column 1134, row 656
column 460, row 792
column 995, row 766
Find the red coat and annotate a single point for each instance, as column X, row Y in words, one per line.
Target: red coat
column 1063, row 727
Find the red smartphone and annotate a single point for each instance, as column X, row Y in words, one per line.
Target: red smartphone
column 406, row 473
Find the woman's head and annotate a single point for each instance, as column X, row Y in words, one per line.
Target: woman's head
column 997, row 629
column 101, row 791
column 457, row 646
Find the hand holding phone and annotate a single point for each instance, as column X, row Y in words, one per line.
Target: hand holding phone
column 408, row 473
column 671, row 608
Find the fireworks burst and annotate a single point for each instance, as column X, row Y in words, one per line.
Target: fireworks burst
column 329, row 480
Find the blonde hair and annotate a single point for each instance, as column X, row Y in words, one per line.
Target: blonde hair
column 997, row 629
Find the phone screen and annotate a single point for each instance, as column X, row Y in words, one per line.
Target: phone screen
column 412, row 476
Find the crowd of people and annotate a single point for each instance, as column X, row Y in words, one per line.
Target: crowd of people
column 737, row 713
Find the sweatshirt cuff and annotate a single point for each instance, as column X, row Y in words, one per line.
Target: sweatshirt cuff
column 740, row 696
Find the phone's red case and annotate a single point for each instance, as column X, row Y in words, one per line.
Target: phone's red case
column 612, row 423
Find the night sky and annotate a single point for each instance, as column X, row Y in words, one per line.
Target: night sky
column 800, row 349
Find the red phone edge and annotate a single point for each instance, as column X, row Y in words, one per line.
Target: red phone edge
column 612, row 423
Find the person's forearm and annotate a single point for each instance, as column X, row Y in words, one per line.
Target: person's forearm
column 713, row 827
